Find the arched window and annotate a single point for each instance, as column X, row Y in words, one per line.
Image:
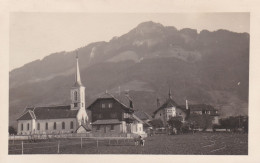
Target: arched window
column 28, row 126
column 71, row 125
column 54, row 126
column 38, row 126
column 46, row 126
column 22, row 127
column 75, row 95
column 63, row 125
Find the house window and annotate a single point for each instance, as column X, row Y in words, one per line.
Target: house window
column 22, row 127
column 110, row 105
column 28, row 126
column 75, row 104
column 160, row 114
column 71, row 125
column 38, row 126
column 100, row 116
column 46, row 126
column 63, row 125
column 54, row 126
column 98, row 127
column 103, row 105
column 75, row 95
column 112, row 127
column 113, row 115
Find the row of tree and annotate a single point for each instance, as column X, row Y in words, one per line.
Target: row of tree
column 175, row 124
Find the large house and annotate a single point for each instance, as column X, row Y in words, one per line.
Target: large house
column 170, row 109
column 57, row 119
column 201, row 109
column 111, row 116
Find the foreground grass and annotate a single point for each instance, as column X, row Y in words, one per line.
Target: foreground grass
column 187, row 144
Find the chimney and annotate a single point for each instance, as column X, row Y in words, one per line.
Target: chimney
column 187, row 106
column 158, row 102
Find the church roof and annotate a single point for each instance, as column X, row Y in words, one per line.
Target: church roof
column 49, row 112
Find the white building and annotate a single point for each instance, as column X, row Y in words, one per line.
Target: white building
column 57, row 119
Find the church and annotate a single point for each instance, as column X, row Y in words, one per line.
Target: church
column 57, row 119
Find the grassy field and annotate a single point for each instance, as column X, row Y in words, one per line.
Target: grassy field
column 187, row 144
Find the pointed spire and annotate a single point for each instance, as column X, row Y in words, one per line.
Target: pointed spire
column 77, row 75
column 170, row 93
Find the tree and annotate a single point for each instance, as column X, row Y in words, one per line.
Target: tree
column 157, row 123
column 175, row 122
column 203, row 121
column 12, row 130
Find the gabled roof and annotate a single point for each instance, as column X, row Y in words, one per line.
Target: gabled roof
column 84, row 127
column 49, row 112
column 106, row 121
column 142, row 115
column 121, row 101
column 169, row 103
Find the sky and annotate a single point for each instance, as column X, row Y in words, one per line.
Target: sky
column 36, row 35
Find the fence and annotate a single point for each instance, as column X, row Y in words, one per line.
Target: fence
column 52, row 146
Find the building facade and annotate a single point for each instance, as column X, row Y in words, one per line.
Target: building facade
column 56, row 119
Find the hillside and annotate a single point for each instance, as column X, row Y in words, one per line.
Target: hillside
column 206, row 67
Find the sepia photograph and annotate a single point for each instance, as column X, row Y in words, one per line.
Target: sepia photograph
column 129, row 83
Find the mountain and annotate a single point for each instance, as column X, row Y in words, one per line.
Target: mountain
column 205, row 67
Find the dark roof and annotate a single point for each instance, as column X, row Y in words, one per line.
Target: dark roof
column 49, row 112
column 200, row 107
column 106, row 121
column 120, row 99
column 169, row 103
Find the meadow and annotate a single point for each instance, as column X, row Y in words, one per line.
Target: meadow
column 186, row 144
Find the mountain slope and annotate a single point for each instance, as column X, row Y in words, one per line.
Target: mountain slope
column 208, row 67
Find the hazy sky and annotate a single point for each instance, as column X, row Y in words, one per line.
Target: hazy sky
column 36, row 35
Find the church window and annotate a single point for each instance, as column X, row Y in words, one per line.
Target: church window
column 46, row 126
column 54, row 126
column 82, row 104
column 103, row 105
column 110, row 105
column 112, row 127
column 38, row 126
column 22, row 127
column 75, row 95
column 71, row 125
column 28, row 126
column 63, row 125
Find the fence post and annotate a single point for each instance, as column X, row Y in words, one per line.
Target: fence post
column 117, row 140
column 22, row 147
column 109, row 141
column 58, row 147
column 13, row 139
column 97, row 142
column 81, row 142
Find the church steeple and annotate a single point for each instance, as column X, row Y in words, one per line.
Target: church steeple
column 170, row 93
column 77, row 75
column 78, row 96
